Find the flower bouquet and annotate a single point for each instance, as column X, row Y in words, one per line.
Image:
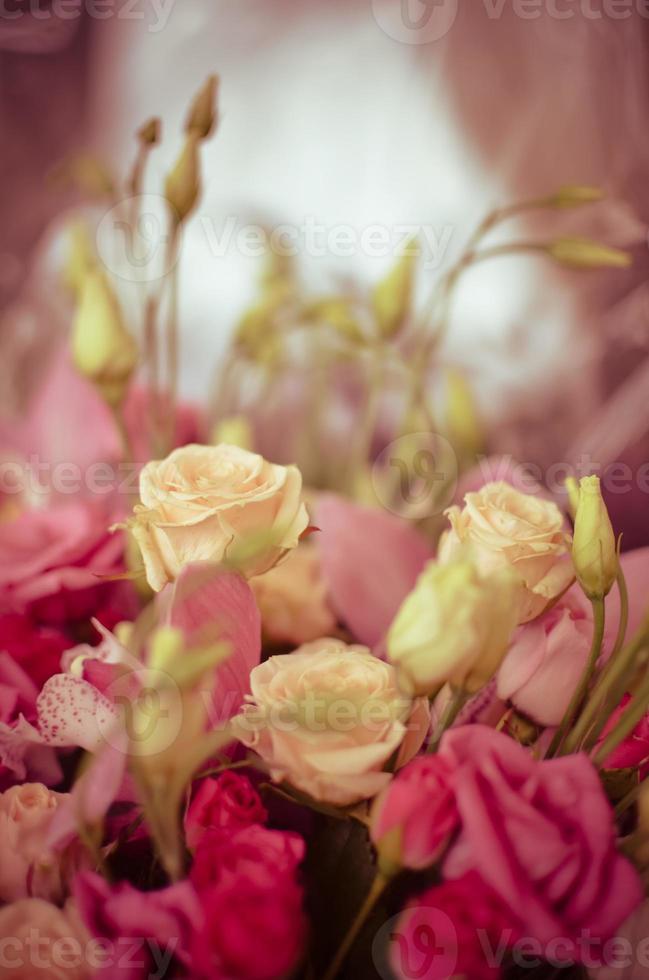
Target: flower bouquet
column 377, row 708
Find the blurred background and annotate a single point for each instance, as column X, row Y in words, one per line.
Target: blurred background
column 339, row 116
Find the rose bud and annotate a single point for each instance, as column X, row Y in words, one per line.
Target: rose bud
column 413, row 818
column 455, row 626
column 594, row 551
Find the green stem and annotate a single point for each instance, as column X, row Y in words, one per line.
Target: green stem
column 375, row 892
column 450, row 713
column 628, row 800
column 624, row 611
column 610, row 686
column 586, row 677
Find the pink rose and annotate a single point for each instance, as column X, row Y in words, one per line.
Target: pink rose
column 260, row 854
column 254, row 926
column 27, row 866
column 546, row 660
column 328, row 717
column 541, row 834
column 57, row 553
column 414, row 817
column 61, row 950
column 226, row 803
column 160, row 923
column 455, row 929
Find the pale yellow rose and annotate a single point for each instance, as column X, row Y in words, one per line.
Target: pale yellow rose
column 212, row 503
column 455, row 626
column 292, row 599
column 27, row 865
column 64, row 949
column 328, row 718
column 504, row 527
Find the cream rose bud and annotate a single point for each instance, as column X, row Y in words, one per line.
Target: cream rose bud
column 455, row 626
column 212, row 503
column 505, row 527
column 292, row 599
column 328, row 718
column 27, row 866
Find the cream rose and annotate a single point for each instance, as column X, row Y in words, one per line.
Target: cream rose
column 206, row 503
column 503, row 526
column 27, row 866
column 292, row 599
column 328, row 717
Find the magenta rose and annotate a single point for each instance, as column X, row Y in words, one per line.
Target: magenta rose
column 459, row 928
column 251, row 931
column 226, row 803
column 546, row 660
column 263, row 855
column 414, row 817
column 254, row 926
column 541, row 834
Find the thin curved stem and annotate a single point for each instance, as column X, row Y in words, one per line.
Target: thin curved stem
column 375, row 892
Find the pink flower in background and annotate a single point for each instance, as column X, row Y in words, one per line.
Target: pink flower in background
column 52, row 560
column 451, row 930
column 228, row 802
column 36, row 649
column 541, row 834
column 370, row 562
column 634, row 750
column 161, row 923
column 413, row 819
column 32, row 917
column 546, row 660
column 28, row 867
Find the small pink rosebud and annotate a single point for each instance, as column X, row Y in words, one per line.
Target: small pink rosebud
column 415, row 816
column 227, row 803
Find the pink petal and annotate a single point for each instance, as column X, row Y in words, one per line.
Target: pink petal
column 22, row 752
column 370, row 560
column 211, row 605
column 68, row 421
column 92, row 794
